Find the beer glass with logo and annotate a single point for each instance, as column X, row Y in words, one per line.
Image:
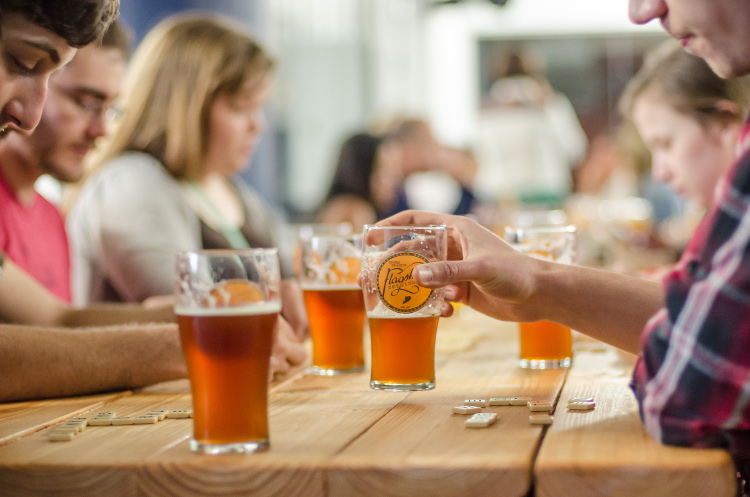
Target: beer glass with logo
column 403, row 316
column 334, row 302
column 227, row 308
column 544, row 344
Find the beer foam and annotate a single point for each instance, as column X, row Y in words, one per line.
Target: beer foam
column 239, row 310
column 322, row 287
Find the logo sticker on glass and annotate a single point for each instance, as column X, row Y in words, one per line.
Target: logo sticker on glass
column 396, row 287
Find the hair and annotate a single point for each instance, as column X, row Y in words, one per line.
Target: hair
column 175, row 75
column 78, row 22
column 688, row 85
column 355, row 166
column 118, row 37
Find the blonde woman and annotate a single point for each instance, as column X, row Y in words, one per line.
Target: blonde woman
column 193, row 101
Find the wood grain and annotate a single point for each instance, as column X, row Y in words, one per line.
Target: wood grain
column 607, row 452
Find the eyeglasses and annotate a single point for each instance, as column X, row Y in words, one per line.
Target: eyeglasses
column 90, row 105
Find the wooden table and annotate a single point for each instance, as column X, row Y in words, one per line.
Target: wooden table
column 334, row 436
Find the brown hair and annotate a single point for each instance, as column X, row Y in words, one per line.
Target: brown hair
column 117, row 36
column 688, row 84
column 79, row 22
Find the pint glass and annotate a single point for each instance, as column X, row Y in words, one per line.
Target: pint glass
column 544, row 344
column 334, row 302
column 403, row 316
column 227, row 309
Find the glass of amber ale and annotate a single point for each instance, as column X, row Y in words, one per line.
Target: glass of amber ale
column 544, row 344
column 334, row 301
column 403, row 317
column 228, row 302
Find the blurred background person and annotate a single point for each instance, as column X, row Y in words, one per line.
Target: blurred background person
column 529, row 139
column 166, row 179
column 365, row 182
column 434, row 176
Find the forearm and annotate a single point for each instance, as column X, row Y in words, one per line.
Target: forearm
column 44, row 362
column 111, row 314
column 608, row 306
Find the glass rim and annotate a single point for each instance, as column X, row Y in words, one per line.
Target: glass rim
column 230, row 252
column 407, row 227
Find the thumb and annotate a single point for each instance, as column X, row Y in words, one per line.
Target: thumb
column 439, row 274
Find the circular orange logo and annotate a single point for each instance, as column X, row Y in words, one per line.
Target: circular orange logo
column 396, row 287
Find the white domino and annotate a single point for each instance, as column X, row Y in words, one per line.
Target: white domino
column 466, row 409
column 104, row 415
column 122, row 420
column 541, row 419
column 481, row 420
column 145, row 420
column 61, row 436
column 581, row 406
column 65, row 428
column 539, row 406
column 103, row 421
column 500, row 401
column 475, row 402
column 581, row 399
column 519, row 401
column 184, row 413
column 159, row 414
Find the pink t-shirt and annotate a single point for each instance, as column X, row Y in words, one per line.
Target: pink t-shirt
column 34, row 239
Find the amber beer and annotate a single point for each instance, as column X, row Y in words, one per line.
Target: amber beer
column 545, row 345
column 337, row 318
column 228, row 352
column 403, row 352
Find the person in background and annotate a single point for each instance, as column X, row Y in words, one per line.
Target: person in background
column 166, row 178
column 692, row 335
column 689, row 118
column 365, row 182
column 529, row 139
column 434, row 177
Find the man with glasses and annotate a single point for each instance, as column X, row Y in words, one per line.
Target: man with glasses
column 79, row 101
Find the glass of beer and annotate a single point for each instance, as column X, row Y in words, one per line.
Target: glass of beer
column 334, row 302
column 228, row 302
column 544, row 344
column 402, row 315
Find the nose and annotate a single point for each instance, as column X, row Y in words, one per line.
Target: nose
column 660, row 170
column 24, row 108
column 642, row 11
column 97, row 126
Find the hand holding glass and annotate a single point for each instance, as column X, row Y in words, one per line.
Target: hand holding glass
column 403, row 316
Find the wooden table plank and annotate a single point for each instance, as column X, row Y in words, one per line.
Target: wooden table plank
column 607, row 452
column 18, row 419
column 421, row 448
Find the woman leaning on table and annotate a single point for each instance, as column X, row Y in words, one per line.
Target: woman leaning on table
column 165, row 180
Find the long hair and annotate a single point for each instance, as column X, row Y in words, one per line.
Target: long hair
column 176, row 74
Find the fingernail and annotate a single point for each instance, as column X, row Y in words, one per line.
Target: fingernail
column 450, row 294
column 425, row 274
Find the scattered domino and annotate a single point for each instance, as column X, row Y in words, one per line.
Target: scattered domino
column 475, row 402
column 541, row 419
column 77, row 420
column 145, row 420
column 122, row 420
column 66, row 429
column 581, row 399
column 159, row 414
column 61, row 436
column 500, row 401
column 539, row 405
column 186, row 413
column 103, row 421
column 466, row 409
column 481, row 420
column 104, row 415
column 581, row 406
column 519, row 401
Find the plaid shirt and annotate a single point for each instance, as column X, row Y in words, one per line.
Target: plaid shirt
column 692, row 381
